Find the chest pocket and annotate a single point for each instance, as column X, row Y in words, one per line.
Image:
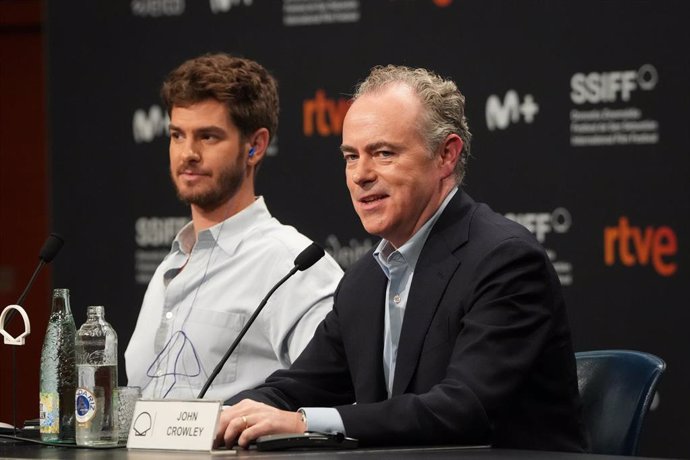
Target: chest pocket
column 211, row 333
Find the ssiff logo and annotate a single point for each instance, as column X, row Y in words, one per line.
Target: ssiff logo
column 142, row 424
column 500, row 114
column 596, row 87
column 541, row 224
column 324, row 115
column 635, row 245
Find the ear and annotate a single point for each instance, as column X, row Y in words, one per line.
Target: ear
column 449, row 154
column 258, row 141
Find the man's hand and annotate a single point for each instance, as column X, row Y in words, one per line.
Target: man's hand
column 247, row 420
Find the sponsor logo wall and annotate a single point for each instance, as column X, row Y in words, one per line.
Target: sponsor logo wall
column 580, row 137
column 603, row 112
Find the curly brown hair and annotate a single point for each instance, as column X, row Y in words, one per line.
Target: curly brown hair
column 247, row 88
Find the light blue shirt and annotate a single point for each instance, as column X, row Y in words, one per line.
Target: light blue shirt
column 398, row 265
column 203, row 293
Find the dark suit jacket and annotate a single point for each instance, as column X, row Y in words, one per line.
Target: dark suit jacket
column 485, row 354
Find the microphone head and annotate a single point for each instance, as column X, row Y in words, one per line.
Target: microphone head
column 309, row 256
column 51, row 247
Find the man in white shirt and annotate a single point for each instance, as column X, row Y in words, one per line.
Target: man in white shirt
column 223, row 111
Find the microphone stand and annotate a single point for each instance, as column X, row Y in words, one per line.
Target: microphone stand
column 21, row 299
column 50, row 248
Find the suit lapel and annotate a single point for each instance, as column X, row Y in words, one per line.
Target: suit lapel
column 368, row 334
column 434, row 269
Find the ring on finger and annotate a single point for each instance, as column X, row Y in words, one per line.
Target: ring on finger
column 246, row 422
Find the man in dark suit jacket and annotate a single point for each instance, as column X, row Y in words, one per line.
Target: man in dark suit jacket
column 454, row 330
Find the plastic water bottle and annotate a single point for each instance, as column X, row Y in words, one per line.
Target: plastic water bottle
column 96, row 414
column 58, row 378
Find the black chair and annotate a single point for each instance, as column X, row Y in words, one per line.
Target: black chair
column 617, row 387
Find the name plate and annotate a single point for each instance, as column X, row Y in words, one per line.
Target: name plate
column 174, row 424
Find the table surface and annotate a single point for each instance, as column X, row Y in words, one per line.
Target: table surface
column 14, row 450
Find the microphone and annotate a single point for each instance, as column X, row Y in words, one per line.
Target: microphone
column 50, row 249
column 304, row 260
column 308, row 257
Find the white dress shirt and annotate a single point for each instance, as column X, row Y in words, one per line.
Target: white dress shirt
column 203, row 293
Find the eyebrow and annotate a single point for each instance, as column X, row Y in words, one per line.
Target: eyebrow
column 203, row 129
column 372, row 147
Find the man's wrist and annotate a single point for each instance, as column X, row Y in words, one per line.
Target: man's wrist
column 303, row 419
column 323, row 420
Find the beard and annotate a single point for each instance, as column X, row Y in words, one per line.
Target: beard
column 224, row 187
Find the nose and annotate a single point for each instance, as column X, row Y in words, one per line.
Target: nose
column 190, row 152
column 362, row 171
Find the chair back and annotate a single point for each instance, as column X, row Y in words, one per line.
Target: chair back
column 616, row 388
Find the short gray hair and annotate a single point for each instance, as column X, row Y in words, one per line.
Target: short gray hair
column 444, row 104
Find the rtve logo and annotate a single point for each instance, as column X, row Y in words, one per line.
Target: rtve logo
column 640, row 246
column 501, row 114
column 598, row 87
column 223, row 6
column 323, row 114
column 146, row 126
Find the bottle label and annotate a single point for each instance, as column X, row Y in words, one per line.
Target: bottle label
column 49, row 412
column 84, row 405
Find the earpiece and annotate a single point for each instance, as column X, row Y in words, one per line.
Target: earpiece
column 251, row 152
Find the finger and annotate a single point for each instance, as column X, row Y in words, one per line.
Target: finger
column 233, row 431
column 252, row 432
column 275, row 421
column 223, row 423
column 226, row 432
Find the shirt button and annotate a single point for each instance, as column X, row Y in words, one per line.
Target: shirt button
column 396, row 299
column 169, row 315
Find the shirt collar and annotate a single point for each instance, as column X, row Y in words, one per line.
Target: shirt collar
column 412, row 248
column 226, row 234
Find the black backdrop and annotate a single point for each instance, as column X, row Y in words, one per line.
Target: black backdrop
column 578, row 110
